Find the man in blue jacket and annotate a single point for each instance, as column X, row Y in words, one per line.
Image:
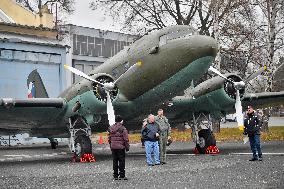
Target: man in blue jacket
column 252, row 126
column 150, row 134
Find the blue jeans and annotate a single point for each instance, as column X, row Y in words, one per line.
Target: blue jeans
column 255, row 145
column 152, row 147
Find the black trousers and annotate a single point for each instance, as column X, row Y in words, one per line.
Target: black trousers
column 118, row 157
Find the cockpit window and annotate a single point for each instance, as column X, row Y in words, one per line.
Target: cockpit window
column 175, row 35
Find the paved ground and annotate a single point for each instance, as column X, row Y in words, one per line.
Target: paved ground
column 41, row 167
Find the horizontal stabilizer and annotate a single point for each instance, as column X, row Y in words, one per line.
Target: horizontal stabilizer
column 33, row 102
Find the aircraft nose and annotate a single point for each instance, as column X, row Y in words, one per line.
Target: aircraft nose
column 203, row 45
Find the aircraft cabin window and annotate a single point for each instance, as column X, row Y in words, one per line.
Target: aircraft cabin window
column 126, row 66
column 115, row 72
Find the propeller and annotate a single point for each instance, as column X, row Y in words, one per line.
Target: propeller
column 238, row 86
column 255, row 74
column 108, row 86
column 110, row 110
column 82, row 74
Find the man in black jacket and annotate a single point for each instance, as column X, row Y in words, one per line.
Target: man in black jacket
column 150, row 134
column 252, row 128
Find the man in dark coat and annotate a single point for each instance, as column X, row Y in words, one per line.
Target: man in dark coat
column 119, row 143
column 252, row 128
column 150, row 134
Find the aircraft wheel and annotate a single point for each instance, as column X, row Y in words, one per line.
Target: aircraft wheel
column 83, row 146
column 206, row 138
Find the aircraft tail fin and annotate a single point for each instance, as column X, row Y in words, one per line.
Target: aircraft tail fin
column 36, row 88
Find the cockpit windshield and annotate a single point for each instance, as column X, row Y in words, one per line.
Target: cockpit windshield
column 175, row 35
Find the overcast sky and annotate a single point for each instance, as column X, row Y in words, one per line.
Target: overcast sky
column 84, row 16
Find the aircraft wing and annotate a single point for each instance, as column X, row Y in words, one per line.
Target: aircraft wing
column 25, row 115
column 262, row 100
column 183, row 107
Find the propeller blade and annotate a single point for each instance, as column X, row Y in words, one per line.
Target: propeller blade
column 110, row 110
column 217, row 72
column 128, row 72
column 239, row 111
column 78, row 72
column 255, row 74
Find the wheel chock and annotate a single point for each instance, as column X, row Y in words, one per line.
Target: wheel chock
column 212, row 150
column 87, row 158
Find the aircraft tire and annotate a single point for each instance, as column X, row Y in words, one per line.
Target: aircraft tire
column 83, row 146
column 207, row 139
column 53, row 145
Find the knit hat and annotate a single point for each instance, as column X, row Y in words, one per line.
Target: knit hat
column 118, row 118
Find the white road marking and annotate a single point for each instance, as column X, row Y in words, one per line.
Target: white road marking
column 266, row 153
column 48, row 155
column 15, row 155
column 12, row 157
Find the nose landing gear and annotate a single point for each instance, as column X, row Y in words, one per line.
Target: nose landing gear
column 202, row 134
column 80, row 142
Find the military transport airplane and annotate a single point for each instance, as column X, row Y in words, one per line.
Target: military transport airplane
column 135, row 82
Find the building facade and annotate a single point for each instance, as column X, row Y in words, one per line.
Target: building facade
column 24, row 49
column 13, row 12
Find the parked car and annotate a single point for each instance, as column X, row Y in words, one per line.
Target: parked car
column 231, row 117
column 282, row 113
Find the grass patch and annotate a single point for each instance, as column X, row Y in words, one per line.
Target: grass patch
column 226, row 134
column 234, row 134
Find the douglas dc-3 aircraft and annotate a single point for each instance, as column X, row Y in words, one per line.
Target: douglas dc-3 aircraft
column 137, row 81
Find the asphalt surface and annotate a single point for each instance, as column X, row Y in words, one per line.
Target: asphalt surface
column 41, row 167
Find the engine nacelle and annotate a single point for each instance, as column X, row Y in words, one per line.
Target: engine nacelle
column 216, row 83
column 100, row 92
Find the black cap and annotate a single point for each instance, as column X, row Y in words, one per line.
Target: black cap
column 118, row 118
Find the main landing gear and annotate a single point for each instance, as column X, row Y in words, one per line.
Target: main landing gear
column 202, row 134
column 80, row 142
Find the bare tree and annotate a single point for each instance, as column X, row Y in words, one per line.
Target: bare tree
column 35, row 5
column 236, row 24
column 273, row 30
column 143, row 16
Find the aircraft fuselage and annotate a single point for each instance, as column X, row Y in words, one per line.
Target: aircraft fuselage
column 170, row 59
